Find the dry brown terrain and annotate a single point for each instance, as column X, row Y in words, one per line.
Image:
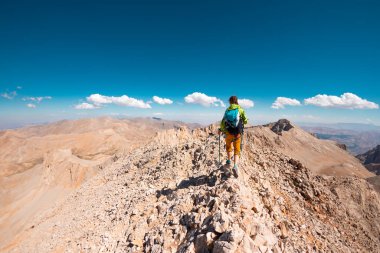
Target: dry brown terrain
column 375, row 181
column 42, row 164
column 323, row 157
column 295, row 193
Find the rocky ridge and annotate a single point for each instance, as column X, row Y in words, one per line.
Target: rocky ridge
column 172, row 196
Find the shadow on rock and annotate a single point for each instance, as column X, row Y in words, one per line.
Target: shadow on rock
column 217, row 175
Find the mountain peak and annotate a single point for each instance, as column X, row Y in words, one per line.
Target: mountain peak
column 280, row 126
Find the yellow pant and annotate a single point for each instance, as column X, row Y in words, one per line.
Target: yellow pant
column 236, row 140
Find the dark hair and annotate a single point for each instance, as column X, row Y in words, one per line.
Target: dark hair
column 233, row 100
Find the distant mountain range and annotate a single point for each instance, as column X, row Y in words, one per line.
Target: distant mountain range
column 343, row 126
column 358, row 138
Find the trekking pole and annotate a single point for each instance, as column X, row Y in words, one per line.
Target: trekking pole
column 242, row 142
column 219, row 150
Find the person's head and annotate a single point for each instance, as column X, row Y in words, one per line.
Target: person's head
column 233, row 100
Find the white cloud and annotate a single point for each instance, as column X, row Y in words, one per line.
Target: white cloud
column 86, row 106
column 99, row 99
column 128, row 101
column 162, row 101
column 19, row 87
column 203, row 99
column 281, row 102
column 246, row 103
column 9, row 95
column 36, row 99
column 124, row 100
column 31, row 105
column 345, row 101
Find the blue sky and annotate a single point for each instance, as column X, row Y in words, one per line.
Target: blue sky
column 65, row 51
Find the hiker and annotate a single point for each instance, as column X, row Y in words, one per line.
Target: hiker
column 232, row 125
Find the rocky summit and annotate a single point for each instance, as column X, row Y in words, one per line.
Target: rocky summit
column 172, row 195
column 280, row 126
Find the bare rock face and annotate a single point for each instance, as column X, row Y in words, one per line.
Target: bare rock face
column 371, row 156
column 374, row 167
column 171, row 195
column 342, row 146
column 371, row 159
column 280, row 126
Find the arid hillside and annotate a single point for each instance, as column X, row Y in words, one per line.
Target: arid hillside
column 294, row 193
column 323, row 157
column 42, row 164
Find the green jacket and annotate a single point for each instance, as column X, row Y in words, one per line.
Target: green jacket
column 241, row 113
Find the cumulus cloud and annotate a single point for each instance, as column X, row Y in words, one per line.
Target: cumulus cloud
column 86, row 106
column 128, row 101
column 281, row 102
column 162, row 101
column 246, row 103
column 31, row 105
column 99, row 99
column 203, row 99
column 9, row 95
column 124, row 100
column 36, row 99
column 345, row 101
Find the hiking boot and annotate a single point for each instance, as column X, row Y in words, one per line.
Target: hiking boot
column 235, row 170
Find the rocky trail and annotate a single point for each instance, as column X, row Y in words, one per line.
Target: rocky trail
column 172, row 196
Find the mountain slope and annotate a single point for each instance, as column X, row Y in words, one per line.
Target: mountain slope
column 322, row 157
column 171, row 196
column 371, row 159
column 42, row 164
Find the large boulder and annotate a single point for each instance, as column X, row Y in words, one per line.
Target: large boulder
column 280, row 126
